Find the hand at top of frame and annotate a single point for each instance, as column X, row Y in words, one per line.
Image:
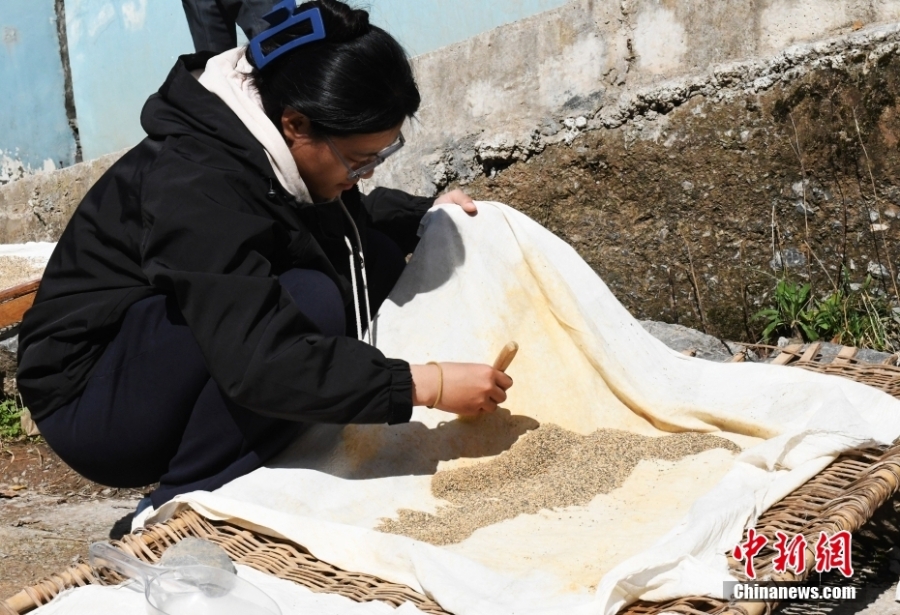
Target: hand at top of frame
column 460, row 198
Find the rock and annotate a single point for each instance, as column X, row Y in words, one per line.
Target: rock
column 29, row 427
column 684, row 339
column 790, row 258
column 704, row 346
column 11, row 343
column 878, row 271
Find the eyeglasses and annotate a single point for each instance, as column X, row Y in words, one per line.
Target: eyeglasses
column 368, row 167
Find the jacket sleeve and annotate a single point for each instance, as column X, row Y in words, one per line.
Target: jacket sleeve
column 397, row 215
column 213, row 253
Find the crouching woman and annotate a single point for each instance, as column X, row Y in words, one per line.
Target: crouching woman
column 213, row 291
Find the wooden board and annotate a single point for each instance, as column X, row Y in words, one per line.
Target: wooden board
column 15, row 301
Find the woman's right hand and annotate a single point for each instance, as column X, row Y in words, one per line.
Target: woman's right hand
column 468, row 388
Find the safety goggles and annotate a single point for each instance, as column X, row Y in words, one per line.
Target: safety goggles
column 364, row 169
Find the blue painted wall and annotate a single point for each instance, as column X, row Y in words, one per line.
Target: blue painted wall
column 34, row 129
column 120, row 52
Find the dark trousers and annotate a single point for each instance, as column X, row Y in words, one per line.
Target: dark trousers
column 151, row 412
column 212, row 22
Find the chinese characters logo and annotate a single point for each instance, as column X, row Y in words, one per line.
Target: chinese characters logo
column 830, row 552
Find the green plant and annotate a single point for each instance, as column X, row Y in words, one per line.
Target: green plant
column 791, row 315
column 854, row 315
column 11, row 419
column 860, row 316
column 831, row 316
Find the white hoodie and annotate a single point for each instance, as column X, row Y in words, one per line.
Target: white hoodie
column 227, row 75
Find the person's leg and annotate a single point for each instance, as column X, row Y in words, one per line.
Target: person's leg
column 248, row 14
column 151, row 412
column 212, row 29
column 244, row 440
column 126, row 425
column 318, row 298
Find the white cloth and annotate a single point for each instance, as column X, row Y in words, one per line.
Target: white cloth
column 227, row 75
column 473, row 284
column 292, row 599
column 23, row 262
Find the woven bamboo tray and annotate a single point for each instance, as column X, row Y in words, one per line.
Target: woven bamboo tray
column 842, row 497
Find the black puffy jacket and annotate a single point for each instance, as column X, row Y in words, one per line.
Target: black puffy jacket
column 195, row 211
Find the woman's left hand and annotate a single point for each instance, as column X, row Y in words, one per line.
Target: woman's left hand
column 460, row 198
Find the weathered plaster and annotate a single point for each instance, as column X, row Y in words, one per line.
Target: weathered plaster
column 660, row 40
column 34, row 127
column 38, row 207
column 589, row 67
column 120, row 54
column 506, row 94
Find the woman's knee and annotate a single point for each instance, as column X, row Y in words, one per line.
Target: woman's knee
column 318, row 297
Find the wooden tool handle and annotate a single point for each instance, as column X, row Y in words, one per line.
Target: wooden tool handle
column 506, row 356
column 501, row 363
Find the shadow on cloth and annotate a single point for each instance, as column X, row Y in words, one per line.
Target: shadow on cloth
column 378, row 451
column 449, row 245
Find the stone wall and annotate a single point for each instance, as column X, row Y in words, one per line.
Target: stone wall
column 37, row 207
column 712, row 188
column 503, row 96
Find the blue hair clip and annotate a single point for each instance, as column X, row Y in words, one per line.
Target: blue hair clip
column 282, row 17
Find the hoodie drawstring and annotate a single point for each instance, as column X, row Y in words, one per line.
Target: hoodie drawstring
column 354, row 254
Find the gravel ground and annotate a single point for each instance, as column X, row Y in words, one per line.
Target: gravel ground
column 49, row 514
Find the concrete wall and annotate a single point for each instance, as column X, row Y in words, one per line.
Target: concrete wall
column 77, row 73
column 34, row 128
column 37, row 207
column 489, row 100
column 425, row 25
column 119, row 52
column 589, row 64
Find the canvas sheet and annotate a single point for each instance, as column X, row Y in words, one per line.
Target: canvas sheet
column 23, row 262
column 128, row 599
column 618, row 469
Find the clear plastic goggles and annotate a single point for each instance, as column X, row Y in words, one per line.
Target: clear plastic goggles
column 354, row 174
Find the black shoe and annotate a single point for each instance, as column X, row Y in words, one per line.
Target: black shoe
column 122, row 527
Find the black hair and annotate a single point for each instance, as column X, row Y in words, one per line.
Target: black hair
column 356, row 80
